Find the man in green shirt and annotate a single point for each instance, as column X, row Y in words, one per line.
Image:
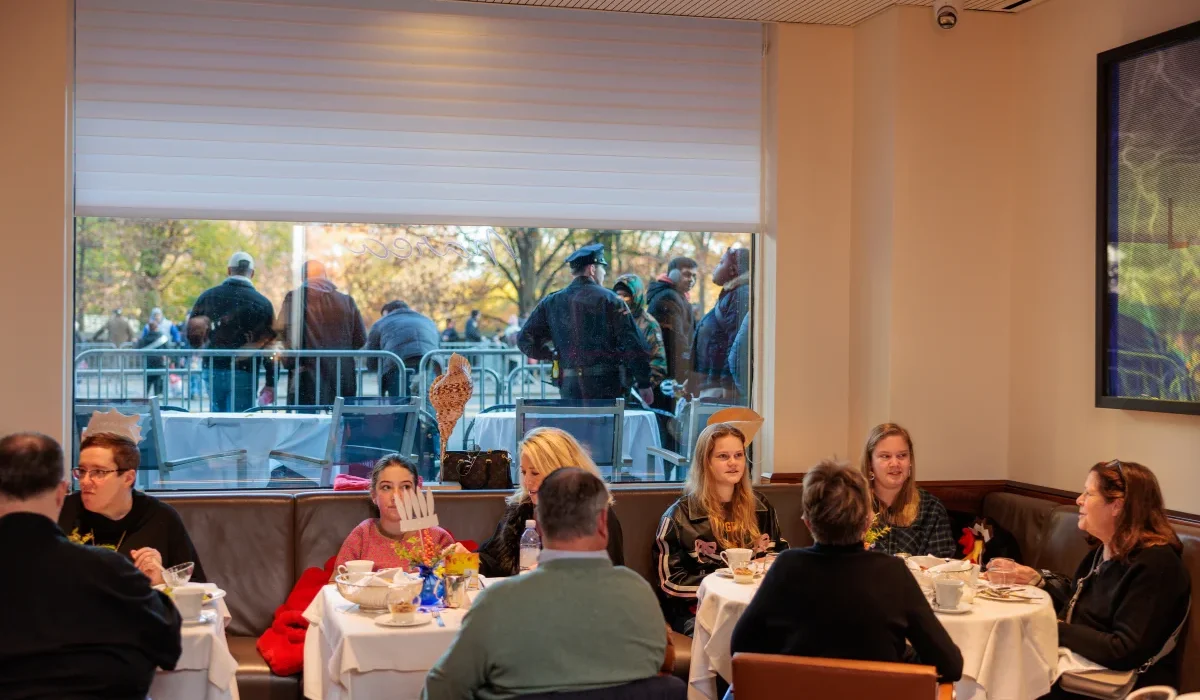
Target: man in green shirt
column 575, row 623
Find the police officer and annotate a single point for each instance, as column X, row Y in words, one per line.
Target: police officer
column 591, row 333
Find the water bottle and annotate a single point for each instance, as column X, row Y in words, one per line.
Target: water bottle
column 531, row 546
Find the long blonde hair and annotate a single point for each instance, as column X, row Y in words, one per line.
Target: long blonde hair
column 904, row 510
column 741, row 529
column 545, row 450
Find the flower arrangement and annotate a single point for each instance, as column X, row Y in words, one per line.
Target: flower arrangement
column 422, row 553
column 876, row 531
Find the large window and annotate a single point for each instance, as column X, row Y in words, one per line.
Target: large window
column 263, row 349
column 258, row 336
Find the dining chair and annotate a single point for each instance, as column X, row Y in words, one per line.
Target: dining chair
column 760, row 677
column 691, row 417
column 153, row 446
column 596, row 424
column 361, row 431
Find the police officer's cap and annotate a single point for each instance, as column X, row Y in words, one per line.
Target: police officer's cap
column 588, row 255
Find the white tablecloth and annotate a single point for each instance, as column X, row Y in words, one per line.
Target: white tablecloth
column 1009, row 650
column 497, row 431
column 193, row 434
column 346, row 655
column 206, row 670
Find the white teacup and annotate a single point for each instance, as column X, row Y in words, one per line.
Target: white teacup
column 1156, row 692
column 357, row 566
column 737, row 558
column 948, row 591
column 190, row 601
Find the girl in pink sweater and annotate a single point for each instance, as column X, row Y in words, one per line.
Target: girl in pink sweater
column 376, row 538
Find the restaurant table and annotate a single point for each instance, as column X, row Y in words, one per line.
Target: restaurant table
column 205, row 670
column 347, row 655
column 497, row 431
column 1010, row 650
column 193, row 434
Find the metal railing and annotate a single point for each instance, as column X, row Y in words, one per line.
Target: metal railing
column 496, row 362
column 540, row 374
column 106, row 373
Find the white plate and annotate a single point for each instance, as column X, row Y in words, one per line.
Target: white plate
column 962, row 609
column 386, row 620
column 724, row 572
column 205, row 617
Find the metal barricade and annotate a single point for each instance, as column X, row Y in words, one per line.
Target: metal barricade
column 121, row 374
column 488, row 362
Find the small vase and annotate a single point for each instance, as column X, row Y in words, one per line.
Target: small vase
column 431, row 589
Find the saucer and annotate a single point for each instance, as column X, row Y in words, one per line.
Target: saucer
column 205, row 617
column 422, row 618
column 724, row 572
column 960, row 610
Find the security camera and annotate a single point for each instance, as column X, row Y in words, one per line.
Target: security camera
column 946, row 12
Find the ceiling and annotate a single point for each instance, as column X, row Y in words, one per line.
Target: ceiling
column 836, row 12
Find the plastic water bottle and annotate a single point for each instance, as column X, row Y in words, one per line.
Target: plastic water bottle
column 531, row 546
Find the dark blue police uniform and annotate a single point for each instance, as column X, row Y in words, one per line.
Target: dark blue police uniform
column 591, row 333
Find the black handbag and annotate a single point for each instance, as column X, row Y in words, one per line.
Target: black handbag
column 476, row 469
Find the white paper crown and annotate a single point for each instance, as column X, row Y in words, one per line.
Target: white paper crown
column 113, row 421
column 416, row 510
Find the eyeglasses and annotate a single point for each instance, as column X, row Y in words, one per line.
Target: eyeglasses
column 95, row 474
column 1120, row 472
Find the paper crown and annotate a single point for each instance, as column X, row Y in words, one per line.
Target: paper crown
column 416, row 509
column 113, row 421
column 740, row 417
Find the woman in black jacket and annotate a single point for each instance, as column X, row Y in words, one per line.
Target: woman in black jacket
column 1130, row 593
column 825, row 600
column 717, row 511
column 542, row 451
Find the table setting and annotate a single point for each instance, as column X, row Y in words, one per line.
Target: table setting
column 1007, row 633
column 376, row 633
column 206, row 670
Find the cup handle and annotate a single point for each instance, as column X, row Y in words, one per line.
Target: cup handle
column 725, row 558
column 341, row 569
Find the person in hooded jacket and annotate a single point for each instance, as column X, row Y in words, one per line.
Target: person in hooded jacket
column 633, row 292
column 407, row 334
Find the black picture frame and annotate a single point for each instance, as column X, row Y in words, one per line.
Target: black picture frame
column 1105, row 209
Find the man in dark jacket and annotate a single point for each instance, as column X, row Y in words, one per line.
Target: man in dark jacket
column 330, row 321
column 77, row 622
column 590, row 332
column 406, row 333
column 718, row 328
column 667, row 301
column 234, row 315
column 471, row 332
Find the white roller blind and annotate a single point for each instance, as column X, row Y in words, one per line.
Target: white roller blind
column 414, row 111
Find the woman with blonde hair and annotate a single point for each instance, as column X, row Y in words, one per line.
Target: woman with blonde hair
column 543, row 451
column 916, row 522
column 717, row 511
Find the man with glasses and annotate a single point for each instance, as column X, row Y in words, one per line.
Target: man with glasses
column 76, row 621
column 108, row 512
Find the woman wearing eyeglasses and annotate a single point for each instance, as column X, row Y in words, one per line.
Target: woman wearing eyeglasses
column 107, row 512
column 1130, row 593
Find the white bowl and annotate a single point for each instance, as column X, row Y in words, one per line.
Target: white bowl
column 369, row 595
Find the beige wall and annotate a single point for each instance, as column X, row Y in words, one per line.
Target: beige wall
column 930, row 257
column 1056, row 432
column 35, row 63
column 809, row 226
